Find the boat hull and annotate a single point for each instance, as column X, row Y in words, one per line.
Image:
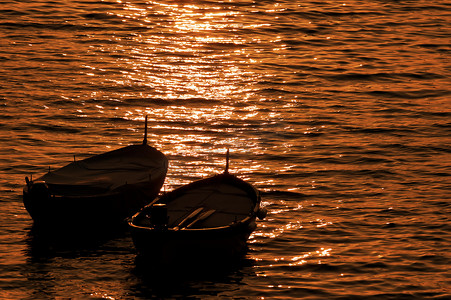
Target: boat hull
column 102, row 210
column 227, row 235
column 197, row 245
column 99, row 191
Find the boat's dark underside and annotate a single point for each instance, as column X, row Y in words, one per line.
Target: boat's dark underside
column 76, row 212
column 196, row 244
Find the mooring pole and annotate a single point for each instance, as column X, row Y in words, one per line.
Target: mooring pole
column 145, row 132
column 226, row 171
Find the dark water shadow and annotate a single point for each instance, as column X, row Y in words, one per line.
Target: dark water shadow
column 53, row 256
column 44, row 243
column 188, row 279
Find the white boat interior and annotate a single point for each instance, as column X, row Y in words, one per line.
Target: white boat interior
column 226, row 203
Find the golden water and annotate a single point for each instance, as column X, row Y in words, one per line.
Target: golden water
column 339, row 112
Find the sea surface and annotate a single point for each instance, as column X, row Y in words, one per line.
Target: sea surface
column 339, row 112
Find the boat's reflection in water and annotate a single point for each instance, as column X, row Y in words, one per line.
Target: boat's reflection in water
column 110, row 255
column 47, row 243
column 183, row 277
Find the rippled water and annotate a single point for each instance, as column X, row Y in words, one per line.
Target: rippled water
column 339, row 112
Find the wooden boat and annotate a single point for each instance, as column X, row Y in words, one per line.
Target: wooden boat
column 209, row 218
column 101, row 190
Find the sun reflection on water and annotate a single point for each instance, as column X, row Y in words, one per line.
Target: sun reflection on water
column 188, row 51
column 312, row 257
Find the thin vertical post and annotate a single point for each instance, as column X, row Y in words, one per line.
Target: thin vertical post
column 145, row 132
column 226, row 171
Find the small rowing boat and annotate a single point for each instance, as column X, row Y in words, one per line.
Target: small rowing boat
column 101, row 190
column 208, row 218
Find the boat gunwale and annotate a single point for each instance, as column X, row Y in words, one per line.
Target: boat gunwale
column 245, row 221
